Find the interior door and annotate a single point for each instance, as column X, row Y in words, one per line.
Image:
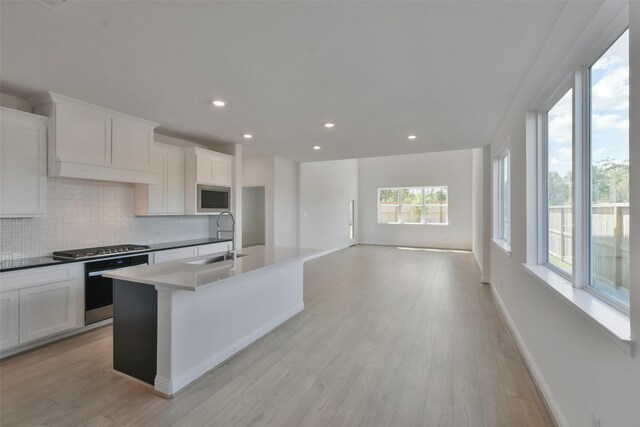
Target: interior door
column 352, row 221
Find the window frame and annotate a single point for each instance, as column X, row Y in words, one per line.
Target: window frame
column 543, row 177
column 499, row 200
column 580, row 81
column 400, row 205
column 586, row 209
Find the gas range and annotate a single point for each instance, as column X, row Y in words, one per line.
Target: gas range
column 100, row 251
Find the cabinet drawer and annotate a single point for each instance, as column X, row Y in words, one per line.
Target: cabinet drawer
column 175, row 254
column 14, row 280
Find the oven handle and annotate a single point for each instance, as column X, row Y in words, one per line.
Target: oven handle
column 99, row 273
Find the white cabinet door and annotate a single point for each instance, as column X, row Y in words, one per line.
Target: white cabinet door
column 222, row 171
column 9, row 318
column 204, row 169
column 83, row 135
column 157, row 198
column 23, row 164
column 131, row 144
column 167, row 196
column 90, row 142
column 47, row 309
column 175, row 254
column 174, row 180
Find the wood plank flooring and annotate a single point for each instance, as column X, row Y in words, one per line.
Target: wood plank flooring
column 388, row 337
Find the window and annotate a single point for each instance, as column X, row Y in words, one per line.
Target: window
column 584, row 177
column 502, row 200
column 413, row 205
column 609, row 169
column 559, row 185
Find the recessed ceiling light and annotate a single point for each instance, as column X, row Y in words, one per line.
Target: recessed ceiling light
column 316, row 147
column 411, row 137
column 329, row 125
column 219, row 103
column 247, row 136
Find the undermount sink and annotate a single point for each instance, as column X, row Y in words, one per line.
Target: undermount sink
column 215, row 259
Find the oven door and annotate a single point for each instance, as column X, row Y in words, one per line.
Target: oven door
column 213, row 199
column 98, row 298
column 98, row 290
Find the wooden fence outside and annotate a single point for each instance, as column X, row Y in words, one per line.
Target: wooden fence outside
column 610, row 244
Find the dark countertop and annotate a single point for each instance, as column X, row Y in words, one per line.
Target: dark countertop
column 43, row 261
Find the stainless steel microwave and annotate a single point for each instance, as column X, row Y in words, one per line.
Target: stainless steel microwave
column 213, row 199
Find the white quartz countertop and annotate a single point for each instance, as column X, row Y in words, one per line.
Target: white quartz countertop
column 187, row 274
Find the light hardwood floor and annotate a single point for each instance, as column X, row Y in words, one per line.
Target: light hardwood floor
column 388, row 337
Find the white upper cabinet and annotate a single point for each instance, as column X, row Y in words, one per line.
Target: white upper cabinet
column 131, row 144
column 23, row 164
column 211, row 167
column 167, row 196
column 204, row 167
column 91, row 142
column 86, row 134
column 222, row 171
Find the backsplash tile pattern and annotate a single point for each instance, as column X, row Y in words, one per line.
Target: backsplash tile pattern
column 83, row 213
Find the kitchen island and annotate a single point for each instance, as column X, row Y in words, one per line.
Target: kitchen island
column 175, row 321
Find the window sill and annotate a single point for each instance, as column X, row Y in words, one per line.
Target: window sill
column 615, row 323
column 506, row 248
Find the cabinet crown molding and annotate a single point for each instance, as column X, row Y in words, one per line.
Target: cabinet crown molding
column 23, row 115
column 52, row 97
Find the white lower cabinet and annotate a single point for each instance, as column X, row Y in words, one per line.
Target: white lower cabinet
column 40, row 302
column 9, row 317
column 46, row 310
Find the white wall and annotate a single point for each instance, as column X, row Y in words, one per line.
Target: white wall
column 477, row 211
column 253, row 210
column 583, row 370
column 258, row 171
column 280, row 177
column 481, row 209
column 325, row 189
column 15, row 103
column 285, row 221
column 450, row 168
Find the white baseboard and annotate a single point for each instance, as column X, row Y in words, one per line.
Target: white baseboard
column 168, row 387
column 550, row 401
column 324, row 253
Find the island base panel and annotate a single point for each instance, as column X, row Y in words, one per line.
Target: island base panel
column 135, row 329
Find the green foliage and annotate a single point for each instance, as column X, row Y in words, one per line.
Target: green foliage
column 610, row 184
column 389, row 197
column 412, row 196
column 610, row 181
column 559, row 189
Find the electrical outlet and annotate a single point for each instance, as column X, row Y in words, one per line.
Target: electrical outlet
column 595, row 421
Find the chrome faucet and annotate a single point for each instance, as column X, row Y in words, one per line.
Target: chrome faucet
column 232, row 231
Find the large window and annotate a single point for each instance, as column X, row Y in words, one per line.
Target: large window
column 502, row 200
column 559, row 175
column 609, row 166
column 413, row 205
column 585, row 177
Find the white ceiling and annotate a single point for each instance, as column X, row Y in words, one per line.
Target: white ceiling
column 446, row 71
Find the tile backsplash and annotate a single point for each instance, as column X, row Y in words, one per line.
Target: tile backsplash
column 84, row 213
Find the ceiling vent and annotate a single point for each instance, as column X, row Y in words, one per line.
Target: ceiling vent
column 54, row 4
